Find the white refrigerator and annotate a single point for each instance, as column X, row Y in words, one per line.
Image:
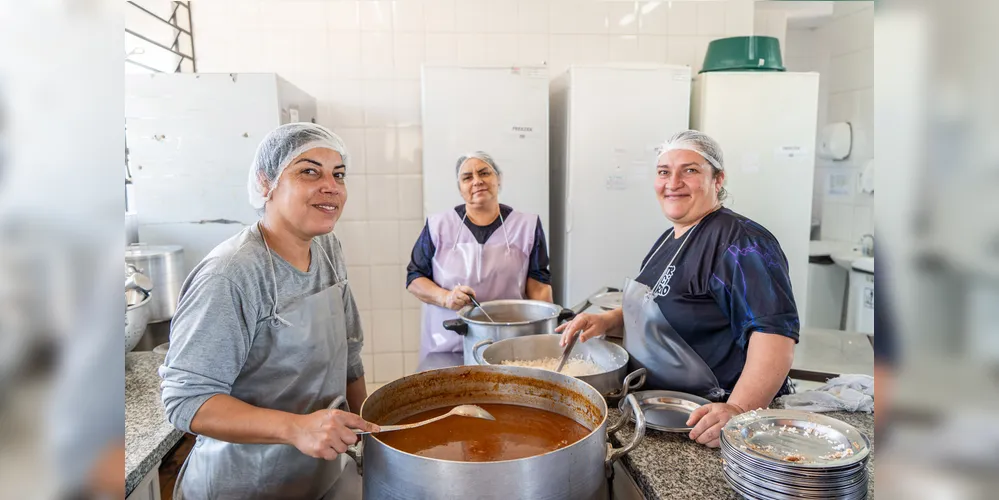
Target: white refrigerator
column 500, row 110
column 191, row 139
column 766, row 125
column 606, row 125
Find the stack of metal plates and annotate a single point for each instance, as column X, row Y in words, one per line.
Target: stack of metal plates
column 786, row 454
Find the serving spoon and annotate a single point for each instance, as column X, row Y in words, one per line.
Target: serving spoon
column 476, row 304
column 567, row 351
column 460, row 410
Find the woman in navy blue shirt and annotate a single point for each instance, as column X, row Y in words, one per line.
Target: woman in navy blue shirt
column 711, row 312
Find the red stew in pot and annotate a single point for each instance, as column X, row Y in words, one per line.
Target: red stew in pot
column 517, row 432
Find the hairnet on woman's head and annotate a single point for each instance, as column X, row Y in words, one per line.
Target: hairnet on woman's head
column 279, row 148
column 478, row 155
column 698, row 142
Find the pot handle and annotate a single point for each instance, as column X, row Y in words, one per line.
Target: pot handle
column 456, row 325
column 478, row 346
column 354, row 451
column 566, row 315
column 629, row 385
column 615, row 453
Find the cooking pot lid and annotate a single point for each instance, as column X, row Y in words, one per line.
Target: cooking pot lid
column 146, row 250
column 666, row 411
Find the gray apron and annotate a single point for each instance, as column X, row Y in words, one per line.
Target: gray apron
column 654, row 345
column 298, row 364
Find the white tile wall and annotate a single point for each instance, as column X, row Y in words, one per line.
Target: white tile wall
column 384, row 242
column 841, row 50
column 408, row 17
column 388, row 367
column 411, row 330
column 771, row 23
column 682, row 18
column 361, row 59
column 388, row 331
column 356, row 207
column 383, row 200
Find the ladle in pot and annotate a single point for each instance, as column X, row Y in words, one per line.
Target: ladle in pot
column 567, row 351
column 460, row 410
column 476, row 304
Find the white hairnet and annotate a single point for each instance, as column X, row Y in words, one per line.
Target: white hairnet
column 282, row 145
column 478, row 155
column 698, row 142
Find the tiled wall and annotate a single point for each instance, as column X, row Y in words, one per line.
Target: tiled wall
column 771, row 22
column 841, row 50
column 361, row 60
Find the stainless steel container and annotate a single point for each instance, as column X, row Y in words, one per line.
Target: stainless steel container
column 513, row 318
column 136, row 319
column 613, row 381
column 164, row 264
column 578, row 471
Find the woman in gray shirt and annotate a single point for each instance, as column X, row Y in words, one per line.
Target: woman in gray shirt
column 267, row 335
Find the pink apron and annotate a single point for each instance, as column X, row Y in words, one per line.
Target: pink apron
column 495, row 270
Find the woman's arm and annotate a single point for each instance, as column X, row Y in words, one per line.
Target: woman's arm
column 321, row 434
column 428, row 292
column 357, row 392
column 591, row 325
column 768, row 361
column 226, row 418
column 536, row 290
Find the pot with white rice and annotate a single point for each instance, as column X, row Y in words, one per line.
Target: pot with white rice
column 597, row 362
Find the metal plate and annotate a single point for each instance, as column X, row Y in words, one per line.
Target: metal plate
column 797, row 438
column 828, row 457
column 666, row 411
column 607, row 300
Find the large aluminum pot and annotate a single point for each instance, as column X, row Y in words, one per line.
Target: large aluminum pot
column 513, row 318
column 164, row 264
column 578, row 471
column 613, row 381
column 136, row 319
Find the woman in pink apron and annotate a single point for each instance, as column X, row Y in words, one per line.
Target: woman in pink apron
column 711, row 311
column 481, row 249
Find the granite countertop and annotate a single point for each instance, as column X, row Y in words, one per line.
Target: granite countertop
column 670, row 465
column 148, row 435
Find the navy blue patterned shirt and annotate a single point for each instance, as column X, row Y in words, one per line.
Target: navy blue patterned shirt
column 730, row 280
column 424, row 249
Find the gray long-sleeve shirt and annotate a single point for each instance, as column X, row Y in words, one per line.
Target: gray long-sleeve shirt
column 221, row 303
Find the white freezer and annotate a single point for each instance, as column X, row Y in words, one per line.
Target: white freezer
column 765, row 123
column 500, row 110
column 606, row 125
column 191, row 139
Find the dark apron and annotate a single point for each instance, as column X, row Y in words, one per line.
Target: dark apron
column 654, row 345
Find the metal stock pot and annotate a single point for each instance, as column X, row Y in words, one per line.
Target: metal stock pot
column 578, row 471
column 512, row 318
column 613, row 381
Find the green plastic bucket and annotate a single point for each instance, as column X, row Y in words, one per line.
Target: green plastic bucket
column 743, row 53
